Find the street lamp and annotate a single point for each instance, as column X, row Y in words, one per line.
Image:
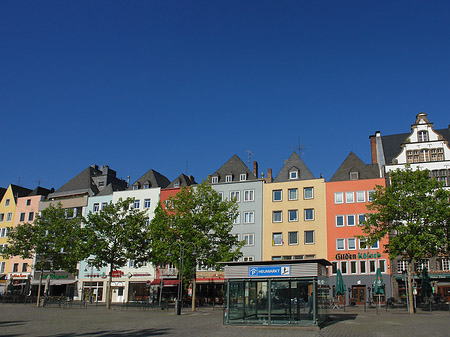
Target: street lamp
column 180, row 274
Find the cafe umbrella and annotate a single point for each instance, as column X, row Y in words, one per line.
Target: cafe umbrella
column 340, row 286
column 426, row 285
column 378, row 286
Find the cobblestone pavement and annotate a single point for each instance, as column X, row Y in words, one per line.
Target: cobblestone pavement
column 27, row 320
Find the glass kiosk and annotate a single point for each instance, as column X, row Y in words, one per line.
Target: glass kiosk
column 294, row 292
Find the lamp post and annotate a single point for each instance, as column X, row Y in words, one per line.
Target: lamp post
column 180, row 273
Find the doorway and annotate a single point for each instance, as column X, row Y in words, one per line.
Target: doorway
column 359, row 294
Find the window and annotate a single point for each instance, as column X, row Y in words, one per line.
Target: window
column 146, row 186
column 136, row 203
column 236, row 195
column 353, row 265
column 176, row 184
column 249, row 239
column 104, row 204
column 221, row 195
column 309, row 237
column 351, row 242
column 277, row 216
column 96, row 207
column 445, row 264
column 309, row 214
column 293, row 174
column 15, row 267
column 243, row 177
column 24, row 267
column 287, row 257
column 22, row 216
column 293, row 215
column 372, row 266
column 370, row 195
column 382, row 265
column 293, row 238
column 334, row 267
column 2, row 267
column 9, row 216
column 349, row 197
column 360, row 196
column 362, row 267
column 354, row 175
column 28, row 202
column 135, row 187
column 249, row 217
column 248, row 258
column 147, row 222
column 308, row 193
column 215, row 180
column 422, row 136
column 228, row 178
column 339, row 197
column 420, row 265
column 340, row 244
column 339, row 220
column 7, row 202
column 3, row 233
column 277, row 239
column 351, row 220
column 30, row 216
column 376, row 245
column 249, row 195
column 344, row 267
column 362, row 244
column 276, row 258
column 147, row 203
column 237, row 221
column 292, row 194
column 2, row 217
column 402, row 266
column 131, row 264
column 277, row 196
column 361, row 219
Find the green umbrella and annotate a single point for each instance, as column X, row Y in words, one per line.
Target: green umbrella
column 426, row 283
column 378, row 286
column 340, row 286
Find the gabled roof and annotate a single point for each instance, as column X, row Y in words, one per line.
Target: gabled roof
column 41, row 191
column 182, row 180
column 153, row 178
column 2, row 192
column 234, row 167
column 353, row 164
column 19, row 191
column 294, row 162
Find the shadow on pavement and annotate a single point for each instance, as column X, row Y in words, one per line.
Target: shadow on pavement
column 12, row 323
column 112, row 333
column 336, row 318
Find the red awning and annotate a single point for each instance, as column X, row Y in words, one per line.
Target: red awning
column 167, row 282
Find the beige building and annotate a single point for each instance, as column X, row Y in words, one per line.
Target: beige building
column 294, row 214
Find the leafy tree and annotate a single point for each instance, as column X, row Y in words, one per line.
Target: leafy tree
column 196, row 215
column 117, row 233
column 55, row 238
column 412, row 209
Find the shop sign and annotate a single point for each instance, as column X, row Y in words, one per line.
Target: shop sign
column 359, row 256
column 19, row 276
column 116, row 273
column 103, row 275
column 269, row 271
column 55, row 277
column 141, row 274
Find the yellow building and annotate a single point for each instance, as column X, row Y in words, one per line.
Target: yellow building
column 8, row 205
column 294, row 214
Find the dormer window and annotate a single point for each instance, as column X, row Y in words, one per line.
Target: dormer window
column 228, row 178
column 422, row 136
column 354, row 175
column 176, row 184
column 135, row 187
column 243, row 177
column 146, row 186
column 293, row 174
column 215, row 180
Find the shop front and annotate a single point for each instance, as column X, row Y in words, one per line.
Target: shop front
column 294, row 292
column 55, row 283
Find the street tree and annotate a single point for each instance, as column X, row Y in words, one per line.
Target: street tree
column 197, row 219
column 55, row 239
column 412, row 210
column 117, row 234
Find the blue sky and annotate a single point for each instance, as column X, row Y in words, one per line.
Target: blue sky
column 170, row 85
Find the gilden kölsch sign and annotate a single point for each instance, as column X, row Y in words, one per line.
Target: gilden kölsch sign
column 359, row 256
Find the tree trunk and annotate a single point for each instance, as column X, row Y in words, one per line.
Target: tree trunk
column 109, row 289
column 410, row 289
column 194, row 284
column 38, row 302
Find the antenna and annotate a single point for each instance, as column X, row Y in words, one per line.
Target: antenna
column 19, row 181
column 38, row 181
column 300, row 148
column 187, row 166
column 249, row 156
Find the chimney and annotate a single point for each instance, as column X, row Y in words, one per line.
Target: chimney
column 128, row 181
column 269, row 175
column 373, row 147
column 255, row 168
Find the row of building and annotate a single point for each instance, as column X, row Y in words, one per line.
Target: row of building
column 290, row 216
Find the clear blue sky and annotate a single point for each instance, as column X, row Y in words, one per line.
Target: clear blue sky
column 155, row 84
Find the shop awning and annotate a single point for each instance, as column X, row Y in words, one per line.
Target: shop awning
column 167, row 282
column 54, row 282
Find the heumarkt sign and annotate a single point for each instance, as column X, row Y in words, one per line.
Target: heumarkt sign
column 359, row 256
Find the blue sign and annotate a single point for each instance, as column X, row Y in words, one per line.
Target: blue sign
column 269, row 271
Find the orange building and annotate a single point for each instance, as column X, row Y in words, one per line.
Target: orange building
column 347, row 194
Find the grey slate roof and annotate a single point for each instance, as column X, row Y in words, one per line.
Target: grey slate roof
column 2, row 192
column 183, row 180
column 109, row 189
column 19, row 191
column 153, row 179
column 234, row 167
column 353, row 164
column 41, row 191
column 392, row 144
column 294, row 162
